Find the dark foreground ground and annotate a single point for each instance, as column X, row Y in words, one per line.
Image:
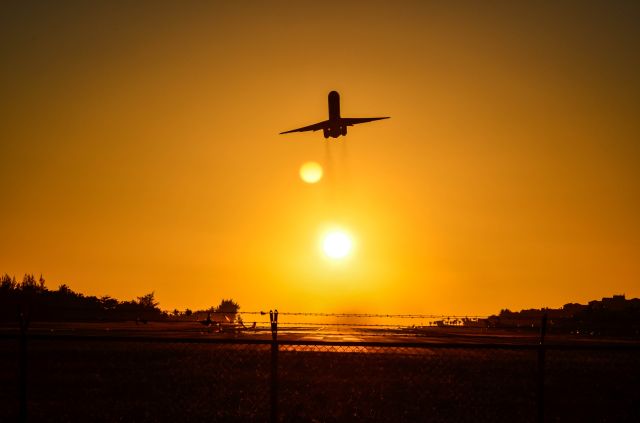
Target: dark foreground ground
column 134, row 381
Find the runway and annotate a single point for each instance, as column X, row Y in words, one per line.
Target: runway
column 328, row 333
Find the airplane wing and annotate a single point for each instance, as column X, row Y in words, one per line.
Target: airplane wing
column 355, row 121
column 314, row 127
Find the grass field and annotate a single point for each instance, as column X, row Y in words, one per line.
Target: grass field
column 106, row 381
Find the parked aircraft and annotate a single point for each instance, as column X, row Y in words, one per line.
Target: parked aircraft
column 335, row 125
column 234, row 327
column 226, row 325
column 207, row 322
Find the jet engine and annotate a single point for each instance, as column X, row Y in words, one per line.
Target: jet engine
column 343, row 130
column 325, row 131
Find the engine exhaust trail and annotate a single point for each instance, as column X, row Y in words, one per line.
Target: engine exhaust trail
column 330, row 175
column 345, row 166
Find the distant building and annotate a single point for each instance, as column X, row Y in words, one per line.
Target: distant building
column 611, row 315
column 615, row 303
column 571, row 309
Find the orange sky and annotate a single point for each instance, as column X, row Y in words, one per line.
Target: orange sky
column 139, row 151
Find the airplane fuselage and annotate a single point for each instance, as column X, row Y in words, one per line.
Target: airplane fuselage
column 335, row 129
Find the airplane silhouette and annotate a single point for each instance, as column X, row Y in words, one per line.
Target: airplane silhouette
column 336, row 125
column 227, row 325
column 235, row 328
column 207, row 322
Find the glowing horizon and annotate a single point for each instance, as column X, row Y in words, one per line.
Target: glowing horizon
column 140, row 152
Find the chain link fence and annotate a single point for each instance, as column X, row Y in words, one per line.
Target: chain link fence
column 397, row 383
column 107, row 379
column 112, row 381
column 599, row 383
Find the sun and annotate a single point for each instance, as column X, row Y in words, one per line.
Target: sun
column 337, row 244
column 311, row 172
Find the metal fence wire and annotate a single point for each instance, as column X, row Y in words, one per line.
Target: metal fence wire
column 110, row 378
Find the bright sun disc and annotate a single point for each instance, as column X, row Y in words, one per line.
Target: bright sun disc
column 336, row 244
column 311, row 172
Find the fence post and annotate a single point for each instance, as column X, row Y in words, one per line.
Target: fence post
column 541, row 365
column 274, row 365
column 23, row 321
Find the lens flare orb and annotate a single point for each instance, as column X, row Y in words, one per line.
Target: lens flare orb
column 311, row 172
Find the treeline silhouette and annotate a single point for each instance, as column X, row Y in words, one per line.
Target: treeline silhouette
column 31, row 297
column 610, row 316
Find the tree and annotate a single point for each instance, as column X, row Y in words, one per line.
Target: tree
column 7, row 283
column 29, row 283
column 227, row 308
column 148, row 301
column 41, row 283
column 108, row 303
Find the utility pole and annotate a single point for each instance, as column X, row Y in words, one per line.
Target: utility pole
column 541, row 364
